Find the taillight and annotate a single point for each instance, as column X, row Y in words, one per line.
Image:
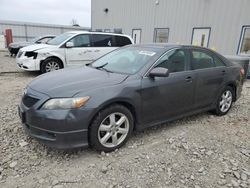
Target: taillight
column 242, row 72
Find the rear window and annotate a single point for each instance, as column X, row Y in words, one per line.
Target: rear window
column 122, row 41
column 218, row 62
column 102, row 40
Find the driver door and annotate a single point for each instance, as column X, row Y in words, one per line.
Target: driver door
column 81, row 52
column 167, row 97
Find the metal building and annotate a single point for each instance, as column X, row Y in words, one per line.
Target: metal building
column 223, row 25
column 24, row 31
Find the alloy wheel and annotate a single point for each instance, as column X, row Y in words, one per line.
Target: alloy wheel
column 226, row 101
column 113, row 130
column 52, row 66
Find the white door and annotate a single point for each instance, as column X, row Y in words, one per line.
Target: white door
column 102, row 44
column 81, row 53
column 136, row 35
column 201, row 37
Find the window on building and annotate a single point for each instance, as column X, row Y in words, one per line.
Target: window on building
column 174, row 61
column 201, row 60
column 161, row 35
column 122, row 41
column 118, row 30
column 200, row 36
column 245, row 41
column 102, row 40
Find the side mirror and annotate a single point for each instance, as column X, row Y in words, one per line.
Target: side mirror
column 159, row 72
column 69, row 44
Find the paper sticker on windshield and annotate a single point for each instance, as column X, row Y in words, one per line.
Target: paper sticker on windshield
column 147, row 53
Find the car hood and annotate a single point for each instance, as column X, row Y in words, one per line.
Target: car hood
column 36, row 47
column 20, row 44
column 71, row 81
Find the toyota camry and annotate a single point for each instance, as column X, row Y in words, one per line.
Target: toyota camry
column 131, row 88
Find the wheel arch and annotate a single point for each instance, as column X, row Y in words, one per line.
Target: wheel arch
column 234, row 87
column 126, row 103
column 41, row 62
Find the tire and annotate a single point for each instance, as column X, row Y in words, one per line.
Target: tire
column 51, row 64
column 102, row 138
column 225, row 99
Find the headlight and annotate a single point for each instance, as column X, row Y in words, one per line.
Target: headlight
column 65, row 103
column 31, row 54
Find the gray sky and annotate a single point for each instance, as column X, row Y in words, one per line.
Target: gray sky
column 47, row 11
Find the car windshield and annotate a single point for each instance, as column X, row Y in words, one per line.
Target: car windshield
column 60, row 38
column 127, row 60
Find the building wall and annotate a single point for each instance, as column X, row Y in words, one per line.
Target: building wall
column 224, row 17
column 23, row 31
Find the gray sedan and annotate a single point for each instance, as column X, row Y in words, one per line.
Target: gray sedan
column 131, row 88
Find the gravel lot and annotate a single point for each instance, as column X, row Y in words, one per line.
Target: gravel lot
column 198, row 151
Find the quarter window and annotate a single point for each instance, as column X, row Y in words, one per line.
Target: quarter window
column 122, row 41
column 81, row 41
column 102, row 40
column 218, row 62
column 201, row 60
column 174, row 61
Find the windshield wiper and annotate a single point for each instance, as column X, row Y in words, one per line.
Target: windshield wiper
column 101, row 66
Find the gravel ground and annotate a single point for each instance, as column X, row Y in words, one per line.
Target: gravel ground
column 199, row 151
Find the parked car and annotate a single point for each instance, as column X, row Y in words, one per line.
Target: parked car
column 131, row 88
column 16, row 46
column 69, row 49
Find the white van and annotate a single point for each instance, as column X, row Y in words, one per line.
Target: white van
column 69, row 49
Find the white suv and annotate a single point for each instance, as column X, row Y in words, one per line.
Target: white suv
column 68, row 49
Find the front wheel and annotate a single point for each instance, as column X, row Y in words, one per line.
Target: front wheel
column 224, row 102
column 111, row 128
column 51, row 64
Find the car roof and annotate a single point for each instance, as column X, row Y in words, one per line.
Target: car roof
column 168, row 45
column 93, row 32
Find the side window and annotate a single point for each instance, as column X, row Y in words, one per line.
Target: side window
column 201, row 60
column 218, row 62
column 122, row 41
column 81, row 41
column 102, row 40
column 174, row 61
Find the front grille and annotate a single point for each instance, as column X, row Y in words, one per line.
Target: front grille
column 19, row 54
column 29, row 101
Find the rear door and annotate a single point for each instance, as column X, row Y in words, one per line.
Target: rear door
column 210, row 76
column 102, row 44
column 81, row 52
column 168, row 97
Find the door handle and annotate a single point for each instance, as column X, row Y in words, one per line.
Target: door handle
column 189, row 79
column 97, row 51
column 223, row 72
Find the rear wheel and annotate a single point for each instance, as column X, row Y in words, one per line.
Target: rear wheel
column 224, row 102
column 111, row 128
column 51, row 64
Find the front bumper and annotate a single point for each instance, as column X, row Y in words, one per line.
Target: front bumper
column 28, row 64
column 62, row 129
